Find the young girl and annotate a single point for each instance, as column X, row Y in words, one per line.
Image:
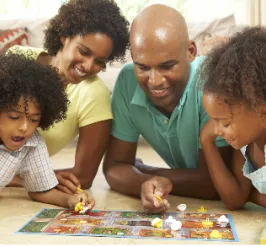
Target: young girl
column 234, row 77
column 31, row 95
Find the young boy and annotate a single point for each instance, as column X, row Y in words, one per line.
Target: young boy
column 31, row 95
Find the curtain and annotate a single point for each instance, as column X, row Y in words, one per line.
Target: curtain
column 256, row 12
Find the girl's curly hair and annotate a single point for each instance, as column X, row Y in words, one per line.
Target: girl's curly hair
column 21, row 76
column 236, row 70
column 82, row 17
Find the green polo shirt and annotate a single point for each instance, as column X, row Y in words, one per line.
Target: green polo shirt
column 175, row 139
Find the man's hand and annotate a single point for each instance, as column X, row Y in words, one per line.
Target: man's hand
column 159, row 186
column 68, row 182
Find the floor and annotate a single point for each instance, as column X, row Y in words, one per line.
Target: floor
column 16, row 209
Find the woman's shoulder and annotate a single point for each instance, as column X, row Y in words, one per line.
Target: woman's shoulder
column 93, row 87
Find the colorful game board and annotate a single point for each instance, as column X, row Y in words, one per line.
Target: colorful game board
column 128, row 224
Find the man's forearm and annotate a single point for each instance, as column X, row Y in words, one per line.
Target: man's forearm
column 126, row 179
column 194, row 183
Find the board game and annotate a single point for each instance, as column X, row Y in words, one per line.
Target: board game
column 128, row 224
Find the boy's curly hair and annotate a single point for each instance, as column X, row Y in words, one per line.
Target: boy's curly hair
column 21, row 76
column 82, row 17
column 236, row 70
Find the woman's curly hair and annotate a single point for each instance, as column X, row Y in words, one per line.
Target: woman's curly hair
column 21, row 76
column 236, row 70
column 82, row 17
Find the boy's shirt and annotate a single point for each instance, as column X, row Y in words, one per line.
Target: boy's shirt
column 31, row 163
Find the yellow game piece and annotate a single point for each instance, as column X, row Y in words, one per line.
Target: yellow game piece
column 78, row 207
column 215, row 234
column 158, row 198
column 157, row 222
column 201, row 209
column 79, row 190
column 207, row 223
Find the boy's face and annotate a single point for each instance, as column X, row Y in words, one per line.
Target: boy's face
column 16, row 125
column 237, row 124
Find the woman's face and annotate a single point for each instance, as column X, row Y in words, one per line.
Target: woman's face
column 83, row 56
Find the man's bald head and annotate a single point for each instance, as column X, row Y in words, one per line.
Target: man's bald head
column 158, row 22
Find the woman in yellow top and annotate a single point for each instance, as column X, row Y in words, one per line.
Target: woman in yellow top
column 79, row 41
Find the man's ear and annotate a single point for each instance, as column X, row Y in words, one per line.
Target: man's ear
column 192, row 50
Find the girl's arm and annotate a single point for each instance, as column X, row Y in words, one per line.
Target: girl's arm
column 228, row 179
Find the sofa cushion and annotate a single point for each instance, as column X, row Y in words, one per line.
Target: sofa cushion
column 10, row 37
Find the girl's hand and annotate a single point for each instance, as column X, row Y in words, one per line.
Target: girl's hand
column 209, row 132
column 85, row 198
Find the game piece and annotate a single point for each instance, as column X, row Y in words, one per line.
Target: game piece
column 157, row 222
column 170, row 219
column 158, row 198
column 181, row 207
column 215, row 234
column 129, row 224
column 84, row 210
column 262, row 237
column 79, row 190
column 223, row 219
column 207, row 223
column 176, row 225
column 201, row 209
column 78, row 207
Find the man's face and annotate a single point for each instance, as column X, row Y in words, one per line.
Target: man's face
column 162, row 69
column 18, row 126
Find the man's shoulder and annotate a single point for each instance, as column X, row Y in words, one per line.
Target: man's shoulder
column 126, row 82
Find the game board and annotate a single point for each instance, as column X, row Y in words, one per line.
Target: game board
column 127, row 224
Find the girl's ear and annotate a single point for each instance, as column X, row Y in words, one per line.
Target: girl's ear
column 63, row 40
column 263, row 114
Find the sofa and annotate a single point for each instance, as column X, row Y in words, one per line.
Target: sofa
column 30, row 31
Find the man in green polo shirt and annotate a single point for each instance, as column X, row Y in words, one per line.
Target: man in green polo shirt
column 156, row 97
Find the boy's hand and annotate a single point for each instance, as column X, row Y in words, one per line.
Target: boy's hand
column 83, row 197
column 68, row 182
column 159, row 186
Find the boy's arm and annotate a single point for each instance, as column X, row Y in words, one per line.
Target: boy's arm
column 52, row 196
column 59, row 198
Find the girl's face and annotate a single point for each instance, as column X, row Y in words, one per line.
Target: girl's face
column 83, row 56
column 238, row 124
